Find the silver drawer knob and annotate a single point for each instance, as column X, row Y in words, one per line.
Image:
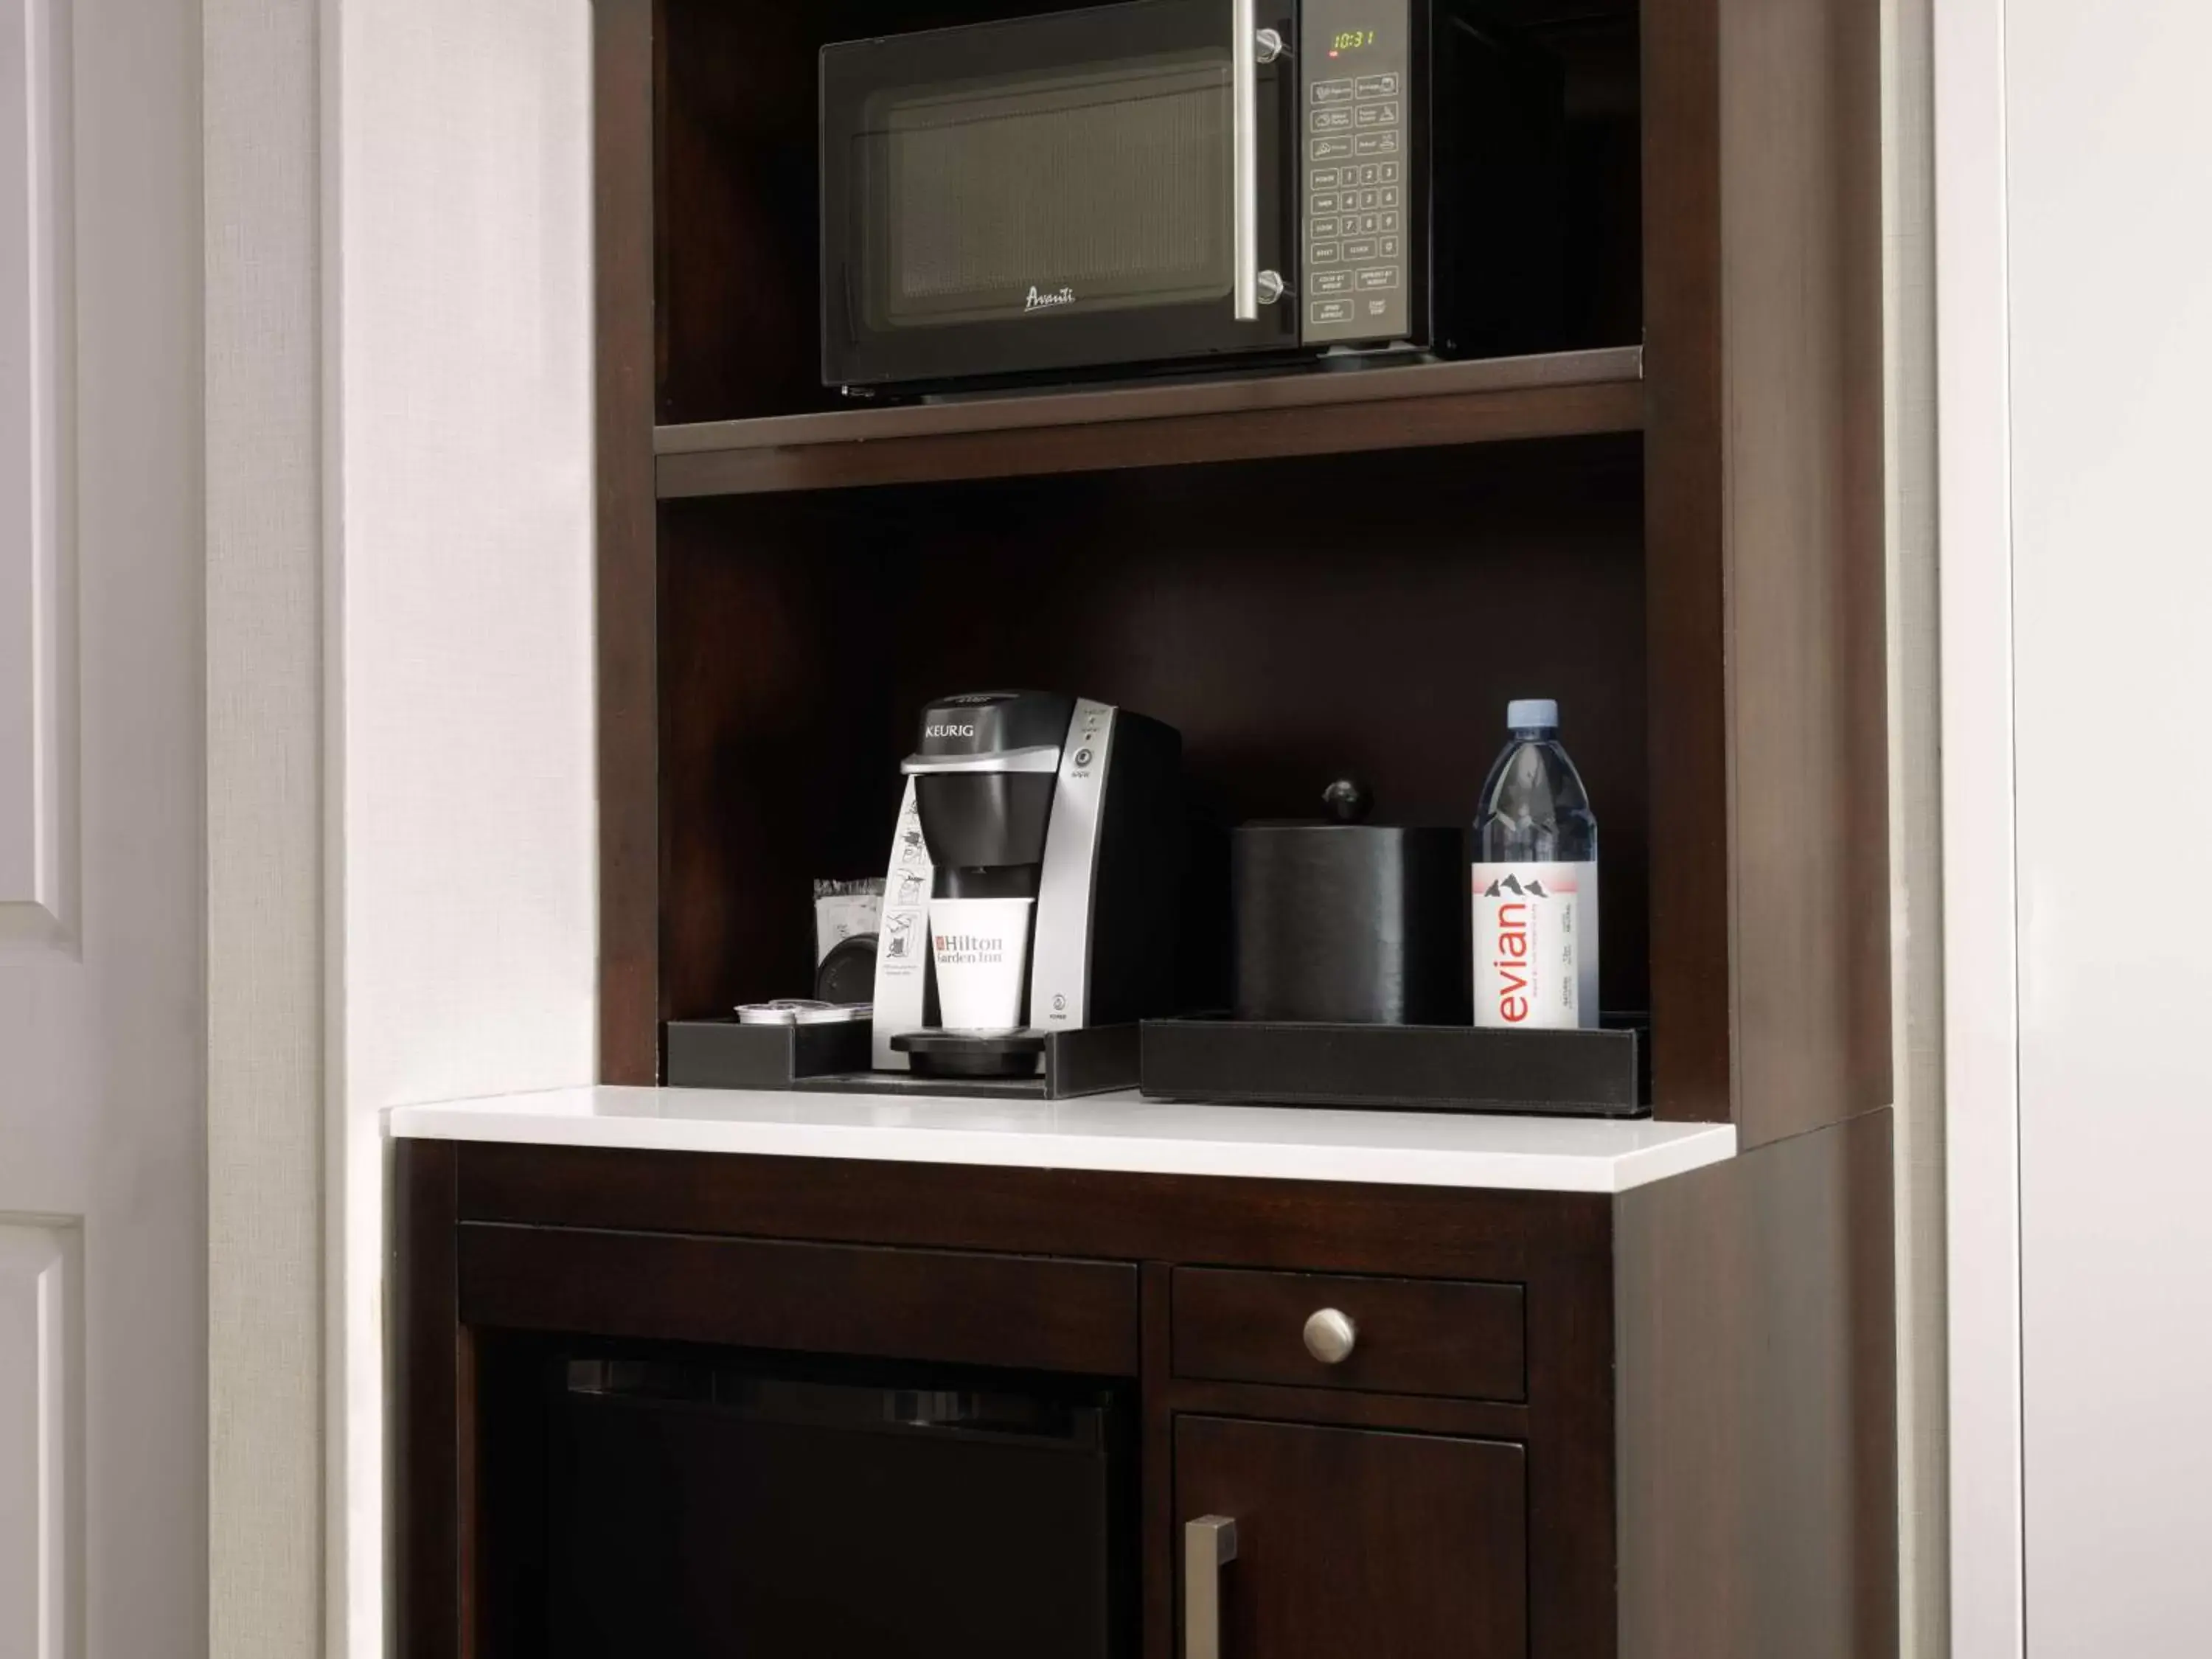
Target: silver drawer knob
column 1330, row 1336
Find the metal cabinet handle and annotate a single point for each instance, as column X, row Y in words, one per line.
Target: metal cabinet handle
column 1209, row 1544
column 1331, row 1335
column 1244, row 158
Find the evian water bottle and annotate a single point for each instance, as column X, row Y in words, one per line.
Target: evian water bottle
column 1535, row 882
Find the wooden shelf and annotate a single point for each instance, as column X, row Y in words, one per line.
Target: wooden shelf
column 1564, row 394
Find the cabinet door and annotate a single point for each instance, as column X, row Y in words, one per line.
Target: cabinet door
column 1352, row 1541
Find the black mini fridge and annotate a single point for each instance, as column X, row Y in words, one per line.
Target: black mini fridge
column 750, row 1510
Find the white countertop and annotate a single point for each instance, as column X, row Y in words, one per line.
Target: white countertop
column 1121, row 1132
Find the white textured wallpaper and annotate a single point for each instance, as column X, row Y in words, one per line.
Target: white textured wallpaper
column 462, row 827
column 2108, row 173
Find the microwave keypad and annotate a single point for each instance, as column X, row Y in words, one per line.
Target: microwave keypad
column 1356, row 117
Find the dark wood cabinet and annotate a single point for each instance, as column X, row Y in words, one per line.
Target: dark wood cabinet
column 1358, row 1541
column 1588, row 1426
column 1658, row 1425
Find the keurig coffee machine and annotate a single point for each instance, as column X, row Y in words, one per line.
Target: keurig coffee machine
column 1033, row 883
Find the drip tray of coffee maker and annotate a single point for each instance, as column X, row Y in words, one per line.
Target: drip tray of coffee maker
column 722, row 1054
column 1027, row 1065
column 965, row 1055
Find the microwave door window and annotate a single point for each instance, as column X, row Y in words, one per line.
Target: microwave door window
column 1103, row 190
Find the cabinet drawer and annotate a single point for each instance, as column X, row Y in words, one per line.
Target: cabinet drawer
column 1407, row 1335
column 1031, row 1312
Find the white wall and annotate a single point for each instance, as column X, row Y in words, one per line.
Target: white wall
column 2109, row 161
column 458, row 499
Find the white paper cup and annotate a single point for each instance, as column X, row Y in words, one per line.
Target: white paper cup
column 982, row 949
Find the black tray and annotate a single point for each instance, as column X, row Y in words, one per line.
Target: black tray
column 721, row 1054
column 1453, row 1068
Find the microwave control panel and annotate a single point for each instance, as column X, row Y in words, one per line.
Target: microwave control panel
column 1355, row 60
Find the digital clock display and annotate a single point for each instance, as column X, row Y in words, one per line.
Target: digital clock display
column 1350, row 40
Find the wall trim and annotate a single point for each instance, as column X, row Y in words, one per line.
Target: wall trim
column 1916, row 825
column 261, row 262
column 1981, row 961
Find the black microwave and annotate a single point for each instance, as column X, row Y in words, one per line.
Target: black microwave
column 1167, row 184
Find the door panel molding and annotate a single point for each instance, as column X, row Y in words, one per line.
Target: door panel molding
column 39, row 760
column 41, row 1439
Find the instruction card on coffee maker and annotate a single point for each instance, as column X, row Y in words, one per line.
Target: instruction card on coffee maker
column 906, row 897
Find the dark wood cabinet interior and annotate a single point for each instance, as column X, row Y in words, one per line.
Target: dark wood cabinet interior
column 686, row 1501
column 736, row 250
column 1298, row 622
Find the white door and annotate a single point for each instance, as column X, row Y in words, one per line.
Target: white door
column 103, row 1403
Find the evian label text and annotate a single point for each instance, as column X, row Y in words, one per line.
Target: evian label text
column 1536, row 945
column 1045, row 299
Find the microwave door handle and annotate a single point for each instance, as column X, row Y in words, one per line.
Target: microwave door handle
column 1244, row 142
